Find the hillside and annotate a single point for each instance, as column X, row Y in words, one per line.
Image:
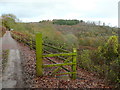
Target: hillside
column 84, row 34
column 97, row 45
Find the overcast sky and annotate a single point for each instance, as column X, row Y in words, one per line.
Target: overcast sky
column 37, row 10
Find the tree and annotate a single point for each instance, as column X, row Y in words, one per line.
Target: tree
column 99, row 22
column 65, row 22
column 8, row 20
column 103, row 24
column 110, row 50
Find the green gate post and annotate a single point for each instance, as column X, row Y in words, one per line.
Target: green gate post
column 74, row 65
column 39, row 47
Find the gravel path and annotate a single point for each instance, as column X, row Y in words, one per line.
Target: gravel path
column 12, row 76
column 8, row 42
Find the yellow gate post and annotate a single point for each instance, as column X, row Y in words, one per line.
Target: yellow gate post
column 39, row 61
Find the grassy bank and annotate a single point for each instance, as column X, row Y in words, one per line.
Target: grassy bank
column 5, row 54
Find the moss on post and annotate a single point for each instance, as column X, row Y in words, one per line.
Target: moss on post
column 39, row 47
column 74, row 65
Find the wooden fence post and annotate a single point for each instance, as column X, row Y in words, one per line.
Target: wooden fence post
column 30, row 42
column 39, row 47
column 74, row 65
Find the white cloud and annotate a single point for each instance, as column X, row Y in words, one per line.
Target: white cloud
column 34, row 10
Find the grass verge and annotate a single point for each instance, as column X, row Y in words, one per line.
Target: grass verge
column 5, row 54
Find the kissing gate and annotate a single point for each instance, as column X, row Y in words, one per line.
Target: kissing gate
column 68, row 61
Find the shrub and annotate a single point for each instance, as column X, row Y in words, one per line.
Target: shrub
column 110, row 49
column 85, row 61
column 105, row 61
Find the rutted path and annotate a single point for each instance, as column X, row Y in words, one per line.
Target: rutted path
column 12, row 76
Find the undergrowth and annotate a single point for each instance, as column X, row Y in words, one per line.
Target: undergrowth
column 5, row 54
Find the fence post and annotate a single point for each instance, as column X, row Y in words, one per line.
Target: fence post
column 39, row 47
column 74, row 65
column 30, row 42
